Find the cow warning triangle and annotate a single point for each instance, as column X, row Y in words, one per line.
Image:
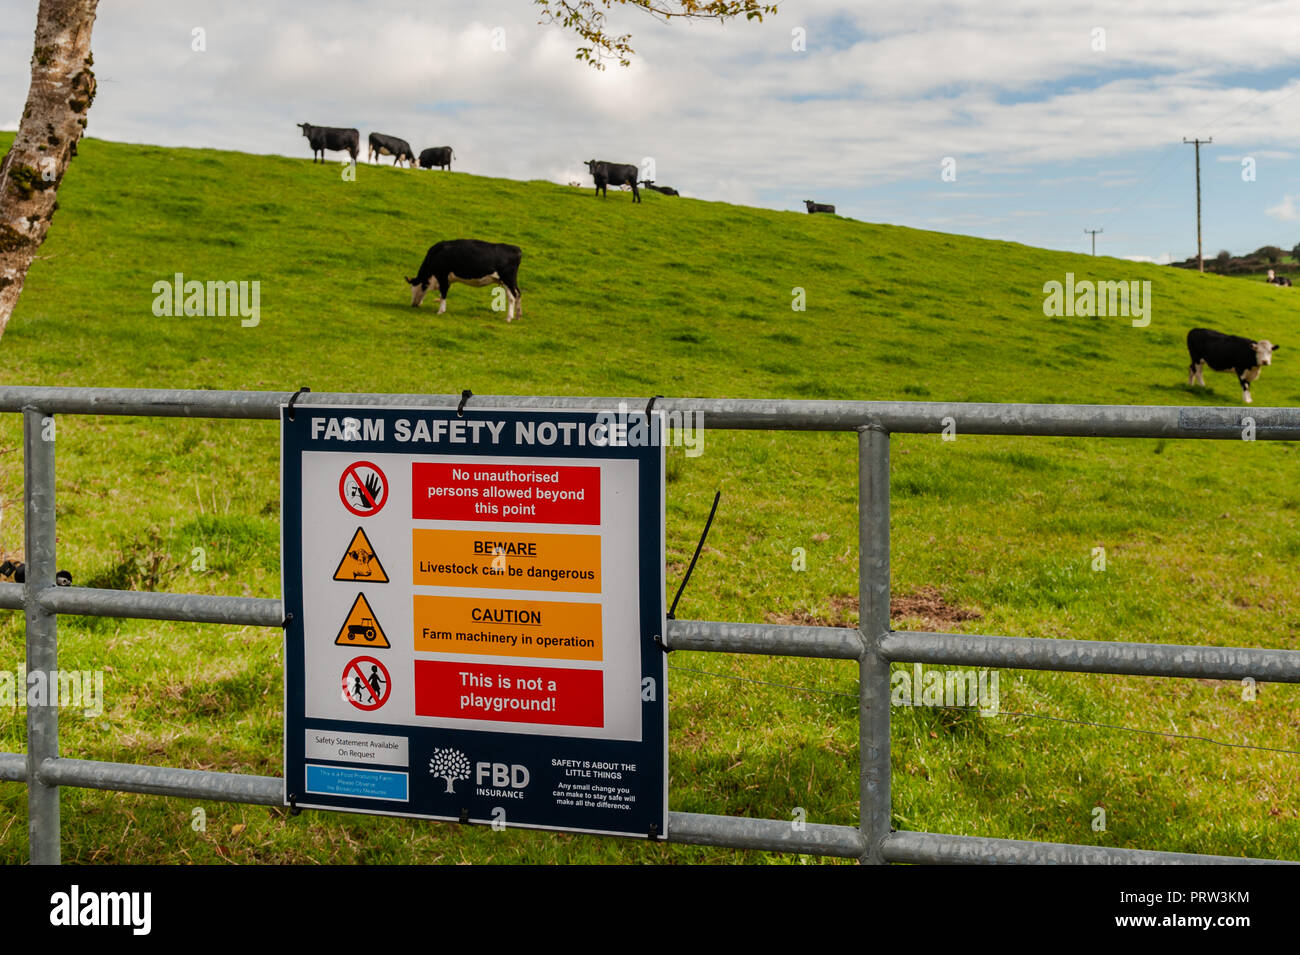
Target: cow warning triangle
column 361, row 628
column 360, row 562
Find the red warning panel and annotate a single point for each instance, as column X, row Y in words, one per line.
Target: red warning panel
column 505, row 492
column 485, row 691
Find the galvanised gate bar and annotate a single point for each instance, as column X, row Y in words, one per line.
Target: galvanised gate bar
column 873, row 645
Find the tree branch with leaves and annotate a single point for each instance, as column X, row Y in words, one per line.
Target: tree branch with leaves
column 587, row 19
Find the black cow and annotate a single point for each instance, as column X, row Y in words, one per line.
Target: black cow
column 474, row 263
column 1222, row 352
column 609, row 174
column 399, row 149
column 817, row 207
column 666, row 190
column 322, row 138
column 437, row 156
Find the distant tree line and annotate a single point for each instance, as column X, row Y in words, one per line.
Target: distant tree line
column 1252, row 263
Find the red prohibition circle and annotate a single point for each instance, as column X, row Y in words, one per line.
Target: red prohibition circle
column 361, row 682
column 367, row 504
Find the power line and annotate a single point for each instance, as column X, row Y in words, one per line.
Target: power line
column 1212, row 124
column 1200, row 259
column 1121, row 208
column 1277, row 102
column 1094, row 232
column 1116, row 212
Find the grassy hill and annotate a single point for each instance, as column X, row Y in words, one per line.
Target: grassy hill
column 679, row 297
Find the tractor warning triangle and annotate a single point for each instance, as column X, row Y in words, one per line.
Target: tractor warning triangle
column 360, row 562
column 361, row 629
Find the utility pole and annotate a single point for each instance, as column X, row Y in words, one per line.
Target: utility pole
column 1094, row 232
column 1200, row 259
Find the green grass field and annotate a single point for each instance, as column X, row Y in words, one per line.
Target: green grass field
column 679, row 297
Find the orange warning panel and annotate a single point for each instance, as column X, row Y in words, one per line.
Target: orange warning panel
column 360, row 562
column 361, row 628
column 549, row 629
column 506, row 561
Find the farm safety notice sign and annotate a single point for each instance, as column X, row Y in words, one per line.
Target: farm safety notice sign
column 475, row 600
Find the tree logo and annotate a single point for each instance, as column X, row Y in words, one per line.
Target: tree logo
column 451, row 765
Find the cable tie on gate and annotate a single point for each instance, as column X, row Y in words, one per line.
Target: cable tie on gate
column 662, row 644
column 654, row 832
column 672, row 611
column 293, row 805
column 301, row 391
column 464, row 817
column 464, row 397
column 288, row 619
column 650, row 407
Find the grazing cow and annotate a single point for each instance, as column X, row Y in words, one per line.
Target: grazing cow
column 666, row 190
column 1222, row 352
column 474, row 263
column 322, row 138
column 818, row 207
column 609, row 174
column 437, row 156
column 399, row 149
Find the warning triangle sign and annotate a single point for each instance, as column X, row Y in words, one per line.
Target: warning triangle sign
column 360, row 562
column 361, row 629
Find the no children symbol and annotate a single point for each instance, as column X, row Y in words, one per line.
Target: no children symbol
column 363, row 488
column 366, row 683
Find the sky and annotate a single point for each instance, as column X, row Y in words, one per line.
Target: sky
column 1021, row 120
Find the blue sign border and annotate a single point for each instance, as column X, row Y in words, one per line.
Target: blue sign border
column 647, row 817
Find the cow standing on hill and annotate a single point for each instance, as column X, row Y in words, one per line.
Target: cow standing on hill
column 322, row 138
column 399, row 149
column 608, row 174
column 472, row 262
column 1223, row 352
column 437, row 156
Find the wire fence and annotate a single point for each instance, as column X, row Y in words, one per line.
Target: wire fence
column 1000, row 712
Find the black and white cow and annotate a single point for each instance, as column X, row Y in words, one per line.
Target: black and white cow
column 817, row 207
column 666, row 190
column 473, row 262
column 1223, row 352
column 437, row 156
column 609, row 174
column 322, row 138
column 399, row 149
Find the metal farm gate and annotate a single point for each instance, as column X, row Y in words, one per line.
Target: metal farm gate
column 874, row 645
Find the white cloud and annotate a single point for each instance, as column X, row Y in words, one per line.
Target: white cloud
column 1284, row 211
column 728, row 112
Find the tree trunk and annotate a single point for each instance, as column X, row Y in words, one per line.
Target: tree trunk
column 62, row 90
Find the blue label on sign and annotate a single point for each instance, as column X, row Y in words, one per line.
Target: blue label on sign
column 362, row 783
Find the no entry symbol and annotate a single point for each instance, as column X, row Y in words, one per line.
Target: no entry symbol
column 363, row 488
column 366, row 683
